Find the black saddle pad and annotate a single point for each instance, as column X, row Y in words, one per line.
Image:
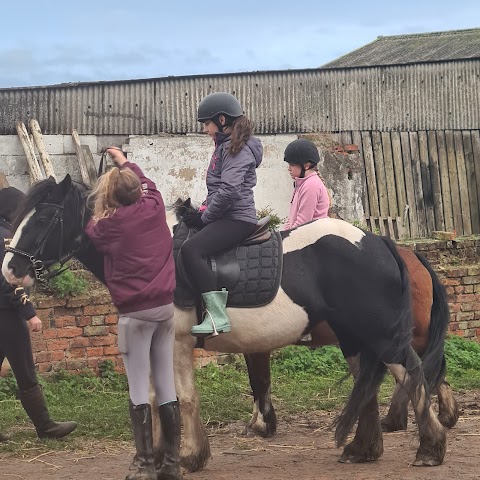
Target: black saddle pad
column 251, row 274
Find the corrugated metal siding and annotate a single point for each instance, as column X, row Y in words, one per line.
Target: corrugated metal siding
column 412, row 97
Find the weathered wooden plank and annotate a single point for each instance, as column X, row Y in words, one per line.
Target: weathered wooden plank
column 370, row 176
column 389, row 174
column 471, row 181
column 426, row 181
column 411, row 201
column 417, row 185
column 357, row 140
column 435, row 181
column 475, row 136
column 380, row 173
column 400, row 180
column 84, row 170
column 36, row 173
column 3, row 181
column 445, row 181
column 462, row 182
column 38, row 141
column 454, row 187
column 90, row 162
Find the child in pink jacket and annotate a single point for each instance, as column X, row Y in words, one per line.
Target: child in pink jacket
column 310, row 199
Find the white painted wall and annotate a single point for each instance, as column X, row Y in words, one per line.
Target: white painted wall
column 178, row 164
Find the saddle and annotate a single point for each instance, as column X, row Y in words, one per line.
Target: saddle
column 251, row 271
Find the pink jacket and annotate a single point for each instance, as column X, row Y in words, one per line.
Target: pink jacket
column 310, row 201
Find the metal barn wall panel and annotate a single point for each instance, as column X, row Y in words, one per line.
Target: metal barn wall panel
column 406, row 97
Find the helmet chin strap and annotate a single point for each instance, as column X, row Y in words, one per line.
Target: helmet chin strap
column 221, row 128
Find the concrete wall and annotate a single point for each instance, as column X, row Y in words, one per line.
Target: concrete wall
column 178, row 163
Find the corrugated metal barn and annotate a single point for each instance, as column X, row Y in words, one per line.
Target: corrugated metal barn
column 411, row 103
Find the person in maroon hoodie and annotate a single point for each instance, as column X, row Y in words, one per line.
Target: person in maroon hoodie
column 129, row 227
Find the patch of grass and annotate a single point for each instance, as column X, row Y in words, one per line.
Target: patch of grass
column 302, row 380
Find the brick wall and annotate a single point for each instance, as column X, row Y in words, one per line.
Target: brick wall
column 457, row 264
column 81, row 332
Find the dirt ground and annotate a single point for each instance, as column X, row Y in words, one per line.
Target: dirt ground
column 302, row 449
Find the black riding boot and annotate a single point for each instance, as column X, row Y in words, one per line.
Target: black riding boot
column 143, row 466
column 170, row 422
column 33, row 402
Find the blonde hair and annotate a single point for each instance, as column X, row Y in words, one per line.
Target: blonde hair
column 116, row 188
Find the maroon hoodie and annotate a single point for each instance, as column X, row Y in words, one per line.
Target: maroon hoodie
column 137, row 244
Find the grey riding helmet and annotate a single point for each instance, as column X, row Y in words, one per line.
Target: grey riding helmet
column 219, row 103
column 300, row 152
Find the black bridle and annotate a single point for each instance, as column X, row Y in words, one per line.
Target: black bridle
column 40, row 267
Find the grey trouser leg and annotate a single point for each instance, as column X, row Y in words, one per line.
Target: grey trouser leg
column 146, row 340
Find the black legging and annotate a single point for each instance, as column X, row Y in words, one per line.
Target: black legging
column 15, row 345
column 215, row 237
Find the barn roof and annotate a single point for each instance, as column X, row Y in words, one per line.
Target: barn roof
column 415, row 48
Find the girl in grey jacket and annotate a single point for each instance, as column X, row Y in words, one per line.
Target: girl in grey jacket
column 228, row 214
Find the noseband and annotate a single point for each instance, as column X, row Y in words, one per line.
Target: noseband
column 38, row 265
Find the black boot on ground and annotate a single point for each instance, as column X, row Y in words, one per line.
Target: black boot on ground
column 33, row 401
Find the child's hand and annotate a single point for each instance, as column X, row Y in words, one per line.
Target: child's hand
column 117, row 156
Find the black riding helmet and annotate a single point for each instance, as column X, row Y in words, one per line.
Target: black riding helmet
column 301, row 151
column 219, row 103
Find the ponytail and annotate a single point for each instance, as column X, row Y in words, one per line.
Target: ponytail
column 242, row 130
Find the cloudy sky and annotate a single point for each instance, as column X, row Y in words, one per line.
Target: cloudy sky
column 64, row 41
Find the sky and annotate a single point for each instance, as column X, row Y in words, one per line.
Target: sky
column 60, row 41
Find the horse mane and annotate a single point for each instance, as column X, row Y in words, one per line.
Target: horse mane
column 41, row 191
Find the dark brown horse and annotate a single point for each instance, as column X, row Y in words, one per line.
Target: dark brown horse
column 431, row 317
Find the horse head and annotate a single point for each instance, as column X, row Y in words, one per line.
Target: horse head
column 48, row 228
column 177, row 211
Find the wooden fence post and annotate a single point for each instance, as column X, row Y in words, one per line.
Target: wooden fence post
column 89, row 175
column 38, row 138
column 36, row 173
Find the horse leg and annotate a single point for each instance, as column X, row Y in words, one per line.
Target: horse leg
column 367, row 445
column 397, row 416
column 195, row 451
column 264, row 419
column 432, row 433
column 448, row 411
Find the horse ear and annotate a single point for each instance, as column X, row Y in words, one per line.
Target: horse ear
column 178, row 203
column 62, row 188
column 187, row 203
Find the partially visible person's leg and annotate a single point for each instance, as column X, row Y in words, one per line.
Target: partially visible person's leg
column 134, row 342
column 164, row 384
column 17, row 348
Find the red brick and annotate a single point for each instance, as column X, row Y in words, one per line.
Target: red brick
column 66, row 311
column 57, row 356
column 69, row 332
column 39, row 345
column 83, row 321
column 94, row 351
column 455, row 307
column 97, row 309
column 78, row 302
column 65, row 321
column 93, row 363
column 42, row 357
column 459, row 289
column 79, row 342
column 77, row 353
column 469, row 297
column 95, row 331
column 47, row 334
column 110, row 350
column 111, row 319
column 113, row 329
column 58, row 344
column 452, row 281
column 101, row 341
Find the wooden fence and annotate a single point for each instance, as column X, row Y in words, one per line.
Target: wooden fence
column 425, row 180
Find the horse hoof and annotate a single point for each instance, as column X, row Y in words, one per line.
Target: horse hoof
column 426, row 463
column 389, row 427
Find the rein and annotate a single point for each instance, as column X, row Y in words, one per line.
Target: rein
column 42, row 268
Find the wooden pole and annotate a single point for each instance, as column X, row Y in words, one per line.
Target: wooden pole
column 38, row 138
column 87, row 176
column 3, row 181
column 35, row 170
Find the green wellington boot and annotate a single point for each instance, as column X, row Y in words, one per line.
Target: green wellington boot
column 215, row 320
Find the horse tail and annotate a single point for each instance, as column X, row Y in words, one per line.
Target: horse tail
column 433, row 359
column 371, row 368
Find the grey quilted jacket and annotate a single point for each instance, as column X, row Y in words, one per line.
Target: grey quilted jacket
column 230, row 181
